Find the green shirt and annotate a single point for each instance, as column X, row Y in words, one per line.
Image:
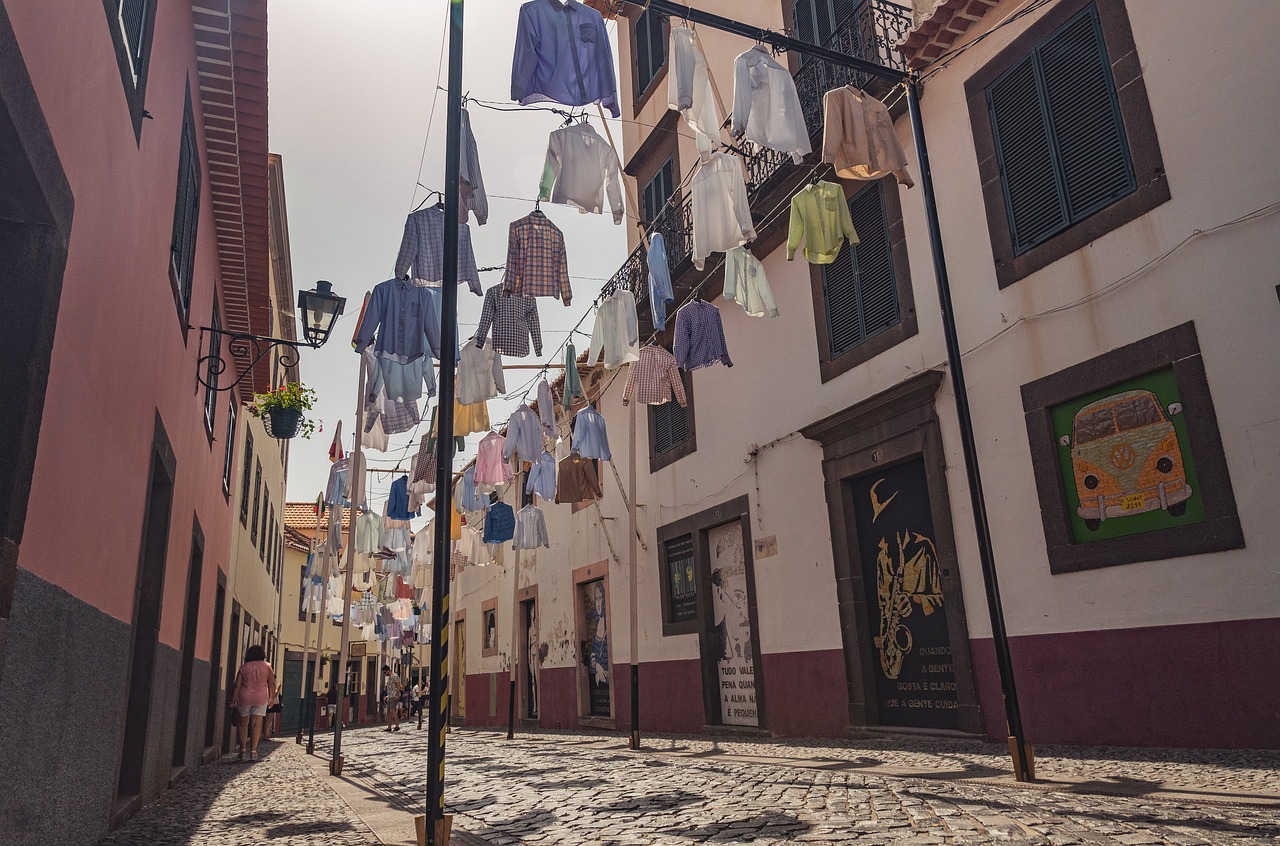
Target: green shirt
column 820, row 218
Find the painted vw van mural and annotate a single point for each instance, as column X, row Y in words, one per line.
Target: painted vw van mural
column 1126, row 458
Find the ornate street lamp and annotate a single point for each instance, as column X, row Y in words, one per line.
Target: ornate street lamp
column 320, row 309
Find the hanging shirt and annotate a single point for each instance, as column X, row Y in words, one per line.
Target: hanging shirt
column 546, row 409
column 699, row 336
column 394, row 417
column 465, row 496
column 524, row 435
column 689, row 89
column 398, row 501
column 336, row 489
column 616, row 332
column 583, row 168
column 421, row 256
column 405, row 318
column 479, row 374
column 368, row 528
column 766, row 107
column 536, row 262
column 401, row 381
column 491, row 467
column 471, row 196
column 654, row 378
column 424, row 463
column 820, row 218
column 590, row 439
column 513, row 319
column 659, row 280
column 746, row 284
column 500, row 524
column 858, row 137
column 466, row 419
column 542, row 477
column 721, row 210
column 563, row 55
column 572, row 380
column 578, row 480
column 531, row 529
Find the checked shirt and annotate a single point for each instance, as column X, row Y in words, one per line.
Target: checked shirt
column 654, row 378
column 537, row 265
column 513, row 319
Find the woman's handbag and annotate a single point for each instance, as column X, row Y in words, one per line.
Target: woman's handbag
column 235, row 717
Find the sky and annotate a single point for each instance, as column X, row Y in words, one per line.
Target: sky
column 351, row 104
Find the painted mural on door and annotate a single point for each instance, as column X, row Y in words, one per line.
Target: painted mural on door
column 914, row 673
column 735, row 665
column 459, row 682
column 595, row 647
column 532, row 656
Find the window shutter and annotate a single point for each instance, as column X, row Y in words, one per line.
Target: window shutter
column 802, row 17
column 841, row 10
column 642, row 52
column 133, row 22
column 1088, row 128
column 661, row 429
column 860, row 287
column 657, row 46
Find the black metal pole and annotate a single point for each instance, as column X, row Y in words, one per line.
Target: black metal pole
column 1023, row 769
column 437, row 720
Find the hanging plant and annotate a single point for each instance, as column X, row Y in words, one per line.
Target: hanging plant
column 282, row 410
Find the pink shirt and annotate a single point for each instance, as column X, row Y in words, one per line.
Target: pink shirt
column 254, row 683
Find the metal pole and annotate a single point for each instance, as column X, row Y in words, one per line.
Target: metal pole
column 357, row 496
column 515, row 623
column 1024, row 769
column 303, row 695
column 437, row 720
column 322, row 617
column 633, row 580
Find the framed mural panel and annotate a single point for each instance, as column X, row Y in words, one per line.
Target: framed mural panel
column 678, row 571
column 1128, row 459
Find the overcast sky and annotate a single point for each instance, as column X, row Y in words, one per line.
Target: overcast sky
column 352, row 87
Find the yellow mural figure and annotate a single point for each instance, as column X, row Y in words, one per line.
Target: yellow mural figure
column 910, row 575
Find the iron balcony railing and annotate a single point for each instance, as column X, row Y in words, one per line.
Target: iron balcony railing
column 868, row 33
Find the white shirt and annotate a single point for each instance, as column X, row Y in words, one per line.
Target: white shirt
column 721, row 210
column 616, row 332
column 766, row 106
column 582, row 167
column 746, row 284
column 479, row 374
column 689, row 89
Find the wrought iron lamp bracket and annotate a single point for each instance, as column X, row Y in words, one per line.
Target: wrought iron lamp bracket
column 242, row 347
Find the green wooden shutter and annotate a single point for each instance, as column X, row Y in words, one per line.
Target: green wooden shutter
column 860, row 288
column 1059, row 134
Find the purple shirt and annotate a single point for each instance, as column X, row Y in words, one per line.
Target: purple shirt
column 563, row 55
column 699, row 336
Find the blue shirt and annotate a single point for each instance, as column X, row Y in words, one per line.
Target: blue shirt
column 699, row 336
column 406, row 319
column 542, row 477
column 398, row 500
column 590, row 440
column 500, row 525
column 659, row 280
column 524, row 435
column 563, row 55
column 468, row 499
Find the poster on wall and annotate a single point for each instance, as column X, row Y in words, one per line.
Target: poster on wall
column 681, row 581
column 915, row 680
column 1126, row 461
column 735, row 664
column 595, row 647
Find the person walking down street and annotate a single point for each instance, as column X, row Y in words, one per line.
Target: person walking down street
column 391, row 688
column 415, row 700
column 254, row 683
column 331, row 705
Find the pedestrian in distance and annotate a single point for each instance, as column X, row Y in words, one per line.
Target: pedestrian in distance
column 272, row 723
column 252, row 694
column 391, row 688
column 415, row 699
column 331, row 704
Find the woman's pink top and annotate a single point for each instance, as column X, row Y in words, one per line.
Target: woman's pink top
column 254, row 683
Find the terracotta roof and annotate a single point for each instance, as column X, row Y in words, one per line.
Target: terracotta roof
column 296, row 540
column 302, row 516
column 937, row 33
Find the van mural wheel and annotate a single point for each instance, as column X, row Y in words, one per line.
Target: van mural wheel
column 1178, row 509
column 1092, row 524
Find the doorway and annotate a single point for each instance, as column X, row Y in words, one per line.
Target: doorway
column 215, row 664
column 530, row 652
column 233, row 665
column 732, row 635
column 460, row 669
column 596, row 669
column 190, row 622
column 292, row 692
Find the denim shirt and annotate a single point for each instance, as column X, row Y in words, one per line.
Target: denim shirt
column 406, row 319
column 590, row 440
column 659, row 280
column 563, row 55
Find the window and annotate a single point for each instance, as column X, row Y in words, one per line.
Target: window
column 649, row 49
column 1067, row 149
column 656, row 191
column 135, row 27
column 858, row 288
column 131, row 23
column 186, row 213
column 671, row 430
column 266, row 498
column 815, row 21
column 1059, row 135
column 268, row 539
column 211, row 373
column 248, row 463
column 229, row 452
column 257, row 502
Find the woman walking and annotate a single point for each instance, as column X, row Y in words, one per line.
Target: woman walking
column 254, row 684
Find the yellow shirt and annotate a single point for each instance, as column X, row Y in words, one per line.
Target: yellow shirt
column 820, row 217
column 466, row 419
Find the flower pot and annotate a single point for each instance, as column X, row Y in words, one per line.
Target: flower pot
column 283, row 423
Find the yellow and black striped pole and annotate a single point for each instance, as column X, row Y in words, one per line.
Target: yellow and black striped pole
column 437, row 720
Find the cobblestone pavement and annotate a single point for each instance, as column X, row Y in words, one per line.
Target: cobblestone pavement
column 550, row 788
column 276, row 799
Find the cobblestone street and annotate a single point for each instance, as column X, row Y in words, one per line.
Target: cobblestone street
column 563, row 788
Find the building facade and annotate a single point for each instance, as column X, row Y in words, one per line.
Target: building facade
column 134, row 197
column 807, row 558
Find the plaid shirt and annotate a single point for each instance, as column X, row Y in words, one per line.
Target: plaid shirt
column 699, row 340
column 536, row 262
column 422, row 249
column 396, row 417
column 514, row 320
column 654, row 378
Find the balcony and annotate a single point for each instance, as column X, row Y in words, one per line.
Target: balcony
column 868, row 33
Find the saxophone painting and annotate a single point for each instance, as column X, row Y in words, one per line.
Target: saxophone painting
column 907, row 578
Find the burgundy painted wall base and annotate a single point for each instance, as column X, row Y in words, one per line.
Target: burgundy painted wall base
column 1203, row 685
column 805, row 694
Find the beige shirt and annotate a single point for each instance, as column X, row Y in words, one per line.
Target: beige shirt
column 858, row 137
